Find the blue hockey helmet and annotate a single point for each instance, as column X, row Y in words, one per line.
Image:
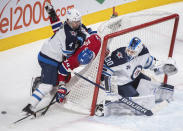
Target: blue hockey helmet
column 85, row 56
column 134, row 48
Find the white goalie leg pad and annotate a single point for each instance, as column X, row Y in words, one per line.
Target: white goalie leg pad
column 110, row 97
column 145, row 101
column 161, row 92
column 146, row 87
column 164, row 92
column 116, row 109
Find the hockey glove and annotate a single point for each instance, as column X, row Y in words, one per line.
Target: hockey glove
column 61, row 93
column 80, row 37
column 51, row 12
column 80, row 40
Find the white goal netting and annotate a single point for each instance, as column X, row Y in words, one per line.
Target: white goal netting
column 156, row 37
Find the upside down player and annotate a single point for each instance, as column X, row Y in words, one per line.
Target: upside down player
column 126, row 64
column 84, row 55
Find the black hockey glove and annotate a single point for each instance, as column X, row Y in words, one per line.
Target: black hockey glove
column 80, row 37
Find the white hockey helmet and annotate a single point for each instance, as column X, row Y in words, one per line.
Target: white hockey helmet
column 134, row 48
column 73, row 15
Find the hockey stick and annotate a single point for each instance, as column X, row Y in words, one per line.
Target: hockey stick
column 44, row 108
column 99, row 86
column 35, row 112
column 124, row 100
column 133, row 105
column 44, row 112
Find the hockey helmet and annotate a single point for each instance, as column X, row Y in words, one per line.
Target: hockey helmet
column 73, row 15
column 134, row 48
column 73, row 18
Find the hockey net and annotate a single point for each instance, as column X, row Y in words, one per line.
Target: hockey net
column 156, row 29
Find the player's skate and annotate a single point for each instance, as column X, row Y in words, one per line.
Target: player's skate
column 99, row 110
column 28, row 110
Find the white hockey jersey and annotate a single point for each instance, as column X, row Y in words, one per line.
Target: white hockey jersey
column 52, row 47
column 62, row 43
column 124, row 70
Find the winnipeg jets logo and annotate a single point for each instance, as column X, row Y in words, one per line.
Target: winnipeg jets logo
column 136, row 72
column 73, row 33
column 119, row 55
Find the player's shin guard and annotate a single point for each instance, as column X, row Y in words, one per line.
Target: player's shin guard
column 161, row 91
column 39, row 93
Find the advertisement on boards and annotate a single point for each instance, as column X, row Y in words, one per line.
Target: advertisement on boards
column 19, row 16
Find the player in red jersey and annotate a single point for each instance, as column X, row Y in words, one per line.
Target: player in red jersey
column 84, row 55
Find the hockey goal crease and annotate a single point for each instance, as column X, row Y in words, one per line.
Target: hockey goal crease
column 156, row 29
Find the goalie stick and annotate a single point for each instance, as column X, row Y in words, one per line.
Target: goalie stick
column 124, row 100
column 133, row 105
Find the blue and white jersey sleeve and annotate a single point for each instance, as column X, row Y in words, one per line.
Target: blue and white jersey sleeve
column 52, row 47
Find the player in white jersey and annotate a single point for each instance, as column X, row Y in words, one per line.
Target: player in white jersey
column 125, row 65
column 60, row 46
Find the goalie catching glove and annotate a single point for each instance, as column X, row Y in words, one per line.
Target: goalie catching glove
column 167, row 67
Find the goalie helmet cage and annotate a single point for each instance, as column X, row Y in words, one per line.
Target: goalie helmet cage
column 84, row 96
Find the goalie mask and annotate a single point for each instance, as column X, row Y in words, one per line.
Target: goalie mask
column 134, row 48
column 73, row 18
